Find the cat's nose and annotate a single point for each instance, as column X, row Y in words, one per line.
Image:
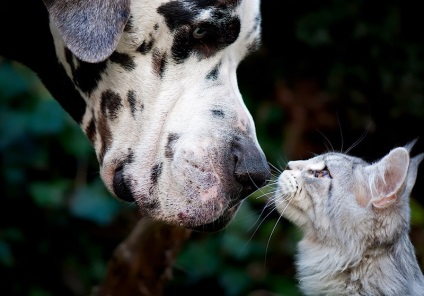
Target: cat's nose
column 287, row 168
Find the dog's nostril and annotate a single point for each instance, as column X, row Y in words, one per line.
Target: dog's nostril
column 251, row 168
column 119, row 187
column 249, row 176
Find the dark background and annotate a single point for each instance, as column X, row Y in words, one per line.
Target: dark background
column 330, row 75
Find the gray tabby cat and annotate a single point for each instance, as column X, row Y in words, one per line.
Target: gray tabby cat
column 354, row 217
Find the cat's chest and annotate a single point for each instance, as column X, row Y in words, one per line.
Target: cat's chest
column 331, row 270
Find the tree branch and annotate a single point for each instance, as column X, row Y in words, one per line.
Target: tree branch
column 142, row 264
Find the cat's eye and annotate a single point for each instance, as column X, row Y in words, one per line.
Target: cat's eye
column 325, row 173
column 200, row 33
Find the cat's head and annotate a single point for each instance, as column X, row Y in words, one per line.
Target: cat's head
column 340, row 199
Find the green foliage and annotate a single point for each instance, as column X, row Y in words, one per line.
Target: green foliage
column 87, row 201
column 49, row 210
column 327, row 72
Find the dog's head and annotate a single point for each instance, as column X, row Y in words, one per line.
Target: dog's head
column 164, row 112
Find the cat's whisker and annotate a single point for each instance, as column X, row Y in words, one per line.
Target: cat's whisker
column 286, row 198
column 278, row 171
column 267, row 205
column 341, row 132
column 275, row 226
column 327, row 141
column 266, row 194
column 260, row 223
column 358, row 141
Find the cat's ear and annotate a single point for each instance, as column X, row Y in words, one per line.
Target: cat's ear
column 412, row 172
column 387, row 177
column 410, row 145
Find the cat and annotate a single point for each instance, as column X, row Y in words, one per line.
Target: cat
column 355, row 222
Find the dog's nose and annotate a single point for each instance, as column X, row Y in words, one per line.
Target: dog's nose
column 120, row 187
column 251, row 168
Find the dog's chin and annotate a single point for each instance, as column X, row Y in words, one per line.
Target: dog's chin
column 220, row 223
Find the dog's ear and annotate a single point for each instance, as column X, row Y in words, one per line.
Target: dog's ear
column 91, row 29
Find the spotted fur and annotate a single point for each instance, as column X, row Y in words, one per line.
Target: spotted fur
column 153, row 85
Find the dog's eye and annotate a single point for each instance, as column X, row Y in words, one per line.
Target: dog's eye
column 199, row 33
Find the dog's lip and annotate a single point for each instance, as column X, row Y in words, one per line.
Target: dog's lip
column 220, row 223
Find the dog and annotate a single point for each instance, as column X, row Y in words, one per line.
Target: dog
column 153, row 86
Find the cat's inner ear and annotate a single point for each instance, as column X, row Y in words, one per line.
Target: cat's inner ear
column 387, row 177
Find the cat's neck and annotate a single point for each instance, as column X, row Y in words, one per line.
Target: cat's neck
column 392, row 269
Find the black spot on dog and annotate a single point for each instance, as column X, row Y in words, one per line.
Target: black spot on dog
column 254, row 45
column 148, row 205
column 229, row 2
column 145, row 47
column 255, row 27
column 131, row 100
column 221, row 29
column 110, row 103
column 123, row 59
column 159, row 62
column 105, row 135
column 155, row 173
column 130, row 156
column 218, row 113
column 86, row 75
column 90, row 130
column 176, row 14
column 69, row 59
column 156, row 27
column 67, row 95
column 213, row 74
column 129, row 26
column 169, row 148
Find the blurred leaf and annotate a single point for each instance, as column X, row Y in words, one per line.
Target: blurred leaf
column 12, row 82
column 39, row 292
column 75, row 142
column 50, row 194
column 417, row 213
column 285, row 286
column 196, row 261
column 6, row 257
column 47, row 118
column 12, row 234
column 12, row 126
column 94, row 203
column 236, row 237
column 234, row 281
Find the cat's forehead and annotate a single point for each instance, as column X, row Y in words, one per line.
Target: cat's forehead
column 334, row 160
column 329, row 160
